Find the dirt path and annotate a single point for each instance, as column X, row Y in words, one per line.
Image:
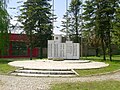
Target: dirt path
column 42, row 83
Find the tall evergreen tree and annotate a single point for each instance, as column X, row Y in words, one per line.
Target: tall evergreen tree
column 102, row 14
column 37, row 22
column 72, row 20
column 89, row 28
column 116, row 28
column 4, row 22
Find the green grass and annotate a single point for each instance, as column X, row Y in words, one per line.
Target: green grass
column 114, row 58
column 4, row 67
column 96, row 85
column 113, row 66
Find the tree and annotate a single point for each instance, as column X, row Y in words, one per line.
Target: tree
column 4, row 22
column 95, row 42
column 37, row 22
column 116, row 28
column 89, row 26
column 102, row 14
column 72, row 20
column 106, row 11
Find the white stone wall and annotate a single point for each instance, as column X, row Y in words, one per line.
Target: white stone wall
column 68, row 50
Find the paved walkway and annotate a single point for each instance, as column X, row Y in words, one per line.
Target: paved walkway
column 35, row 83
column 67, row 64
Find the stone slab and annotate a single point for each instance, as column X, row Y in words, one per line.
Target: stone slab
column 44, row 72
column 40, row 75
column 49, row 64
column 57, row 49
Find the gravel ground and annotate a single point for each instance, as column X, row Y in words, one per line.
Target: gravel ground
column 42, row 83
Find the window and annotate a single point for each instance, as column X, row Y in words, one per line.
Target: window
column 19, row 49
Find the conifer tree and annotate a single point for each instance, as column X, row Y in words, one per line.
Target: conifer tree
column 4, row 23
column 71, row 24
column 36, row 19
column 100, row 19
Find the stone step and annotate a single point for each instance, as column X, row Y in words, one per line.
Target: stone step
column 41, row 75
column 46, row 69
column 44, row 72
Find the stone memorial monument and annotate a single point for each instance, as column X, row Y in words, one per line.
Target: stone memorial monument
column 57, row 49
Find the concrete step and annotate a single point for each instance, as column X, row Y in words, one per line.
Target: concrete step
column 45, row 72
column 46, row 69
column 40, row 75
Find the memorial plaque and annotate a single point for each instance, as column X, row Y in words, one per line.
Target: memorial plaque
column 57, row 49
column 62, row 50
column 76, row 51
column 50, row 48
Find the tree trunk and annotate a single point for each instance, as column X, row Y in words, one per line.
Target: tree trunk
column 103, row 48
column 110, row 54
column 30, row 52
column 109, row 46
column 97, row 52
column 41, row 47
column 41, row 53
column 31, row 46
column 76, row 26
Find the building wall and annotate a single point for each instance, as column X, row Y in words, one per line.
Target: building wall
column 18, row 47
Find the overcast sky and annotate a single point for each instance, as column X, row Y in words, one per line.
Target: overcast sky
column 60, row 9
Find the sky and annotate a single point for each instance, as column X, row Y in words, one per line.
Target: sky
column 59, row 11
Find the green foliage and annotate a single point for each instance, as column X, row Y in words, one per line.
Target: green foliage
column 71, row 24
column 99, row 16
column 94, row 85
column 36, row 19
column 116, row 29
column 4, row 21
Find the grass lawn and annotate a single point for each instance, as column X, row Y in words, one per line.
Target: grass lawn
column 114, row 58
column 96, row 85
column 4, row 67
column 113, row 66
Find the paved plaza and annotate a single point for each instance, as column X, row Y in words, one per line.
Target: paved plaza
column 50, row 64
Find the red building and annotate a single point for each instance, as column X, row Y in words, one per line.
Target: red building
column 19, row 47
